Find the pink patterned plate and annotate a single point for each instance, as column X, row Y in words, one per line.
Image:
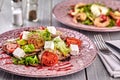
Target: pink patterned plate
column 75, row 64
column 61, row 9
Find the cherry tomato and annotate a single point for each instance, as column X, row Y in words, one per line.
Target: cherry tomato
column 49, row 58
column 42, row 28
column 11, row 47
column 71, row 40
column 118, row 22
column 70, row 13
column 103, row 17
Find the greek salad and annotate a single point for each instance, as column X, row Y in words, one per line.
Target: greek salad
column 44, row 46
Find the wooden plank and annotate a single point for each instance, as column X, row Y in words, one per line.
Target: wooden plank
column 15, row 77
column 7, row 76
column 115, row 36
column 44, row 11
column 1, row 74
column 75, row 76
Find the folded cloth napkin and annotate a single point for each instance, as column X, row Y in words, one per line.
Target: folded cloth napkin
column 111, row 62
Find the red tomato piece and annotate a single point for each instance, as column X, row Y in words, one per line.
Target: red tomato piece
column 11, row 47
column 49, row 58
column 21, row 34
column 103, row 17
column 70, row 13
column 118, row 22
column 42, row 28
column 71, row 40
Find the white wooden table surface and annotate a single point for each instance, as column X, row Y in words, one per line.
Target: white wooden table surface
column 95, row 71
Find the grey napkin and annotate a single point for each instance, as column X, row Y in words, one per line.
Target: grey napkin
column 112, row 63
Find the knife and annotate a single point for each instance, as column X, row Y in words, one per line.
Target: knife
column 113, row 47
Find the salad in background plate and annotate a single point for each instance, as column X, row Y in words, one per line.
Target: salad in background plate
column 95, row 14
column 44, row 46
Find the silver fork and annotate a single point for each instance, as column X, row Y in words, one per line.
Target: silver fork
column 103, row 47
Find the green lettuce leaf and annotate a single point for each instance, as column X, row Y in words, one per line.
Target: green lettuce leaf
column 28, row 48
column 22, row 42
column 30, row 60
column 61, row 46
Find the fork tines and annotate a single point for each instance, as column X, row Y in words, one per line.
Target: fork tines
column 100, row 42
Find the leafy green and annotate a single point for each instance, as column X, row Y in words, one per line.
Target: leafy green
column 60, row 45
column 81, row 10
column 18, row 61
column 28, row 48
column 90, row 16
column 87, row 22
column 15, row 60
column 32, row 33
column 112, row 23
column 87, row 8
column 45, row 34
column 30, row 60
column 57, row 39
column 22, row 42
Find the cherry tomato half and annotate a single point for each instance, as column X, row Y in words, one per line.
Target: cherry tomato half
column 49, row 58
column 70, row 13
column 42, row 28
column 118, row 22
column 71, row 40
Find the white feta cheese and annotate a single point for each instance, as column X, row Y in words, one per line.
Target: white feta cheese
column 97, row 10
column 49, row 45
column 74, row 49
column 25, row 35
column 19, row 53
column 52, row 29
column 104, row 10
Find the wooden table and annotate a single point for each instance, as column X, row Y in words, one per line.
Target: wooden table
column 95, row 71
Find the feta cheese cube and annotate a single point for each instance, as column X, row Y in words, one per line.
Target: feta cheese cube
column 52, row 29
column 18, row 53
column 104, row 10
column 49, row 45
column 95, row 10
column 25, row 35
column 74, row 49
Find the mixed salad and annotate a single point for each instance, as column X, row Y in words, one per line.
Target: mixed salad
column 43, row 46
column 95, row 14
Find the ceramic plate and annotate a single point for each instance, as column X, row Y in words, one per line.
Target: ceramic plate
column 75, row 64
column 60, row 12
